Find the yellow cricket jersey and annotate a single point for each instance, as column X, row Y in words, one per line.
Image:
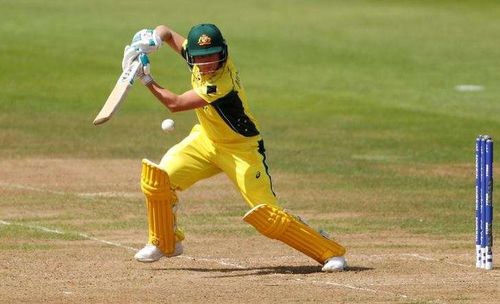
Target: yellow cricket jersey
column 227, row 118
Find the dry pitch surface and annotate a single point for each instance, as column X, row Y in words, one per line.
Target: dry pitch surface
column 70, row 231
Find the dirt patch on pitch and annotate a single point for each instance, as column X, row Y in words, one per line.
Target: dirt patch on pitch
column 224, row 267
column 71, row 175
column 242, row 270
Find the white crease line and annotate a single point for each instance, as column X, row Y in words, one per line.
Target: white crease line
column 33, row 227
column 414, row 256
column 88, row 237
column 83, row 235
column 107, row 242
column 218, row 261
column 424, row 258
column 418, row 256
column 354, row 288
column 111, row 194
column 426, row 281
column 23, row 187
column 81, row 194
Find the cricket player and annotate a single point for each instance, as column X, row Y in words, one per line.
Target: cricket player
column 226, row 139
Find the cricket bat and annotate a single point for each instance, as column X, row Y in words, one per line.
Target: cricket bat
column 118, row 95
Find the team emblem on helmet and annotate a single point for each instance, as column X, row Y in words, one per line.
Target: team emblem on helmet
column 204, row 40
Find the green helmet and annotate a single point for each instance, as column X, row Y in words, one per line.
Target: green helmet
column 205, row 39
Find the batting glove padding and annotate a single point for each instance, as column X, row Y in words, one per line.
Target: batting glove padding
column 144, row 71
column 146, row 41
column 130, row 53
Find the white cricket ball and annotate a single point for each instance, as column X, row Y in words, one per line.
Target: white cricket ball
column 168, row 125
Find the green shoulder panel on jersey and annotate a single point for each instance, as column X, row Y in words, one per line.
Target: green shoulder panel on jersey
column 231, row 110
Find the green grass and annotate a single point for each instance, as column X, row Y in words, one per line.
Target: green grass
column 352, row 90
column 23, row 234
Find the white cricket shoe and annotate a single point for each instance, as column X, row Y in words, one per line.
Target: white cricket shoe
column 335, row 264
column 150, row 253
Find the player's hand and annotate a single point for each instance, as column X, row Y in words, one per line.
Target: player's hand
column 147, row 41
column 129, row 54
column 144, row 71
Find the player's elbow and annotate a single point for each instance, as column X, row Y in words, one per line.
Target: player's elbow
column 174, row 109
column 164, row 32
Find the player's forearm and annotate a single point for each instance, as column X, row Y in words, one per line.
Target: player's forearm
column 173, row 39
column 188, row 100
column 165, row 96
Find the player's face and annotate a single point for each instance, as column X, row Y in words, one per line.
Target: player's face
column 207, row 64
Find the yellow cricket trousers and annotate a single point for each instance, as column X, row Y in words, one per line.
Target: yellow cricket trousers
column 196, row 157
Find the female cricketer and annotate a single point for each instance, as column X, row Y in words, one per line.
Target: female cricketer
column 226, row 139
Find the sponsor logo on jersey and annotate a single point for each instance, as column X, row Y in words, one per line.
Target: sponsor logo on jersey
column 211, row 89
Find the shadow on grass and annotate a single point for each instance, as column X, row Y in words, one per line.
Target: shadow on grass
column 257, row 271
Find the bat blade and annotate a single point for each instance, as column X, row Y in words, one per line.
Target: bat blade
column 118, row 94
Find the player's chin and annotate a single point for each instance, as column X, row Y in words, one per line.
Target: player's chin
column 208, row 71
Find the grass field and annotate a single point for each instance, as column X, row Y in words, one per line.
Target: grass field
column 366, row 133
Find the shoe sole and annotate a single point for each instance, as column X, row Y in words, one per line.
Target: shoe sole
column 146, row 260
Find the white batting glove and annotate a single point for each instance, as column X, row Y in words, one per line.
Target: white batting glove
column 147, row 41
column 130, row 53
column 144, row 71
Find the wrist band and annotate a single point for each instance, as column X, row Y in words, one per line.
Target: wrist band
column 147, row 80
